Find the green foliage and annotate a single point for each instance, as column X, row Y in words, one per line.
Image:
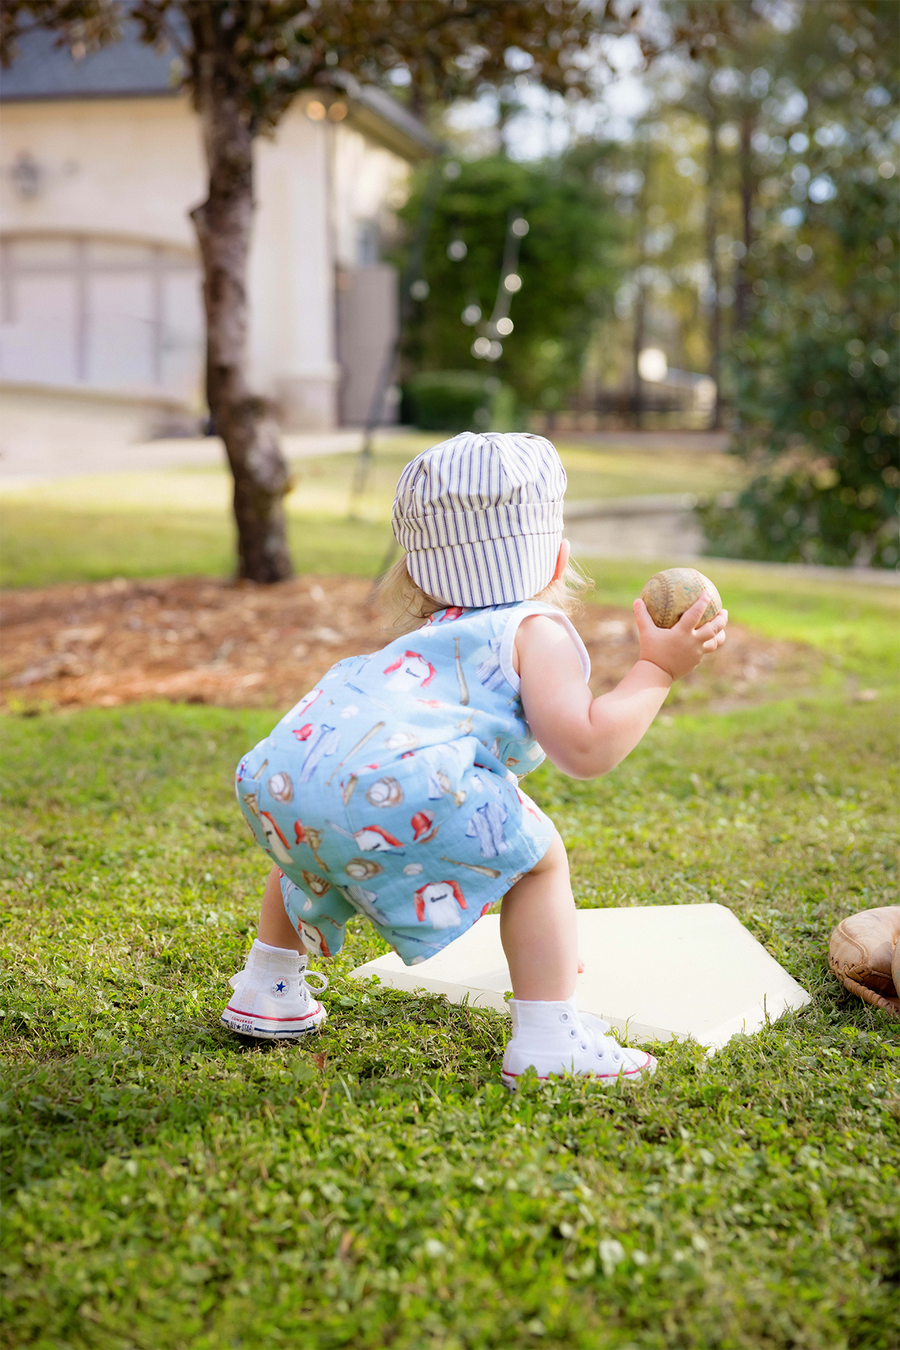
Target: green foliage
column 275, row 50
column 566, row 264
column 168, row 1185
column 458, row 400
column 817, row 391
column 46, row 545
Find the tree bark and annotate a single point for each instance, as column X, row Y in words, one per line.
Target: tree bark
column 712, row 225
column 223, row 224
column 741, row 306
column 637, row 346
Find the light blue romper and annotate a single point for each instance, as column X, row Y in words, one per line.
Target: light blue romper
column 390, row 790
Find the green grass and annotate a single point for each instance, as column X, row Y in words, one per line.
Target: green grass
column 167, row 1186
column 47, row 545
column 857, row 625
column 178, row 521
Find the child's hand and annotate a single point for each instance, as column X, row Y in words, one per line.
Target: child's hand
column 678, row 650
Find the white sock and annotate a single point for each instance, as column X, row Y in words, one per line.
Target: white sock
column 273, row 951
column 544, row 1021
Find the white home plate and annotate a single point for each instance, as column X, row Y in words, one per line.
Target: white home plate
column 655, row 973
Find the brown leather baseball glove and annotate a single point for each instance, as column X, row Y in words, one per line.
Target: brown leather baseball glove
column 864, row 954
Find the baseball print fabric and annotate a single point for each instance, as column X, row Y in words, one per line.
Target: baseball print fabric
column 391, row 789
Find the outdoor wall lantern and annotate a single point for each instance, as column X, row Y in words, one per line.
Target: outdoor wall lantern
column 29, row 178
column 27, row 175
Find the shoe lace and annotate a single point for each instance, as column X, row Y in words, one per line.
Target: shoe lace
column 317, row 974
column 593, row 1036
column 607, row 1045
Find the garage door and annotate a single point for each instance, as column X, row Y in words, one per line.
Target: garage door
column 101, row 313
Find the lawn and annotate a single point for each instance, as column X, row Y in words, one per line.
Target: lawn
column 169, row 1186
column 178, row 521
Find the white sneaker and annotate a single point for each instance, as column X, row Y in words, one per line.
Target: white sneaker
column 273, row 999
column 555, row 1039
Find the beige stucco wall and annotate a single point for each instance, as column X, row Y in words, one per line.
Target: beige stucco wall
column 133, row 169
column 292, row 274
column 370, row 183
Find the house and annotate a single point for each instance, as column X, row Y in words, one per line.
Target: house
column 100, row 297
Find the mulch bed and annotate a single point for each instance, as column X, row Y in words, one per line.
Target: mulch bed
column 197, row 640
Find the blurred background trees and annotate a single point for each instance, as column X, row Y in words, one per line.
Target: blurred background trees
column 564, row 224
column 740, row 224
column 647, row 212
column 813, row 361
column 244, row 62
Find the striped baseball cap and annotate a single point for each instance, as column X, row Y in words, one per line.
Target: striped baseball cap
column 481, row 517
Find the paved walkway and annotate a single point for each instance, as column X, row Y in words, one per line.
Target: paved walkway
column 654, row 527
column 688, row 441
column 73, row 441
column 45, row 462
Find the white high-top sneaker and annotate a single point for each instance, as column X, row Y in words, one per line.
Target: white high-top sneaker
column 273, row 999
column 555, row 1039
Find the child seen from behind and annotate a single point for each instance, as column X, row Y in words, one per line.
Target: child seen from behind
column 392, row 789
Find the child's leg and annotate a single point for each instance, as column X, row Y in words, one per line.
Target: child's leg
column 272, row 999
column 275, row 928
column 538, row 932
column 540, row 939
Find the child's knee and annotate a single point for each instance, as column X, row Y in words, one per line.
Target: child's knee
column 555, row 859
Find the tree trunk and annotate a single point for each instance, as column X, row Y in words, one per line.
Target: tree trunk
column 640, row 298
column 741, row 305
column 637, row 346
column 712, row 225
column 223, row 224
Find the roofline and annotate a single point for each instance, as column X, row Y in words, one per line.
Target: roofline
column 370, row 109
column 390, row 135
column 89, row 95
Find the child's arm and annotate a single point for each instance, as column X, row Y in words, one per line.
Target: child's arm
column 586, row 736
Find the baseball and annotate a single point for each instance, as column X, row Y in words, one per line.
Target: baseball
column 668, row 594
column 385, row 792
column 281, row 787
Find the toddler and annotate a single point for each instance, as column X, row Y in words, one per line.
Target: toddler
column 392, row 789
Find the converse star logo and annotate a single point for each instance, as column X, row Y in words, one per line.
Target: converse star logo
column 280, row 988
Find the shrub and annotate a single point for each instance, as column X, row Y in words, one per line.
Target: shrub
column 567, row 265
column 817, row 385
column 458, row 400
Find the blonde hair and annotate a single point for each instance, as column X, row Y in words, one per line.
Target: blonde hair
column 403, row 605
